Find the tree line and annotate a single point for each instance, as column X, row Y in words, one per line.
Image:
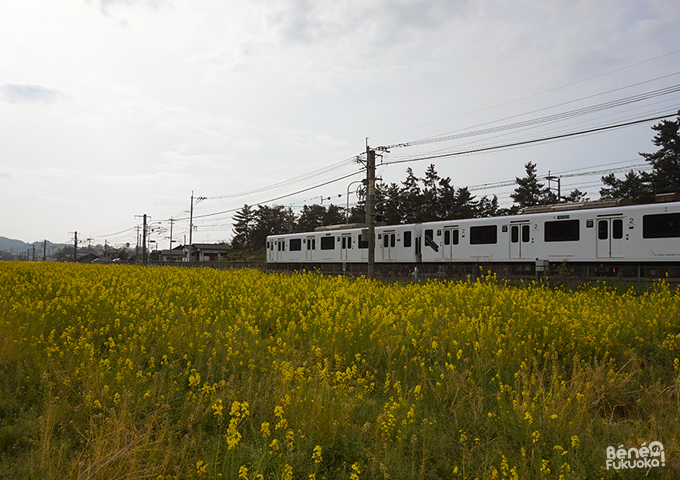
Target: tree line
column 433, row 197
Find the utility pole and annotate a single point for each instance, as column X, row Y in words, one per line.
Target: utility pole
column 171, row 222
column 191, row 215
column 144, row 241
column 75, row 248
column 34, row 252
column 137, row 246
column 191, row 218
column 370, row 209
column 559, row 191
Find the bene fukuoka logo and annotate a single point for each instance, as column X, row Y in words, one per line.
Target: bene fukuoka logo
column 643, row 457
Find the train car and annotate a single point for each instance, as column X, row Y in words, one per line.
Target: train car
column 601, row 231
column 607, row 231
column 346, row 244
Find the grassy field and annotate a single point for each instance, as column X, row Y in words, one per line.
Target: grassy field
column 121, row 372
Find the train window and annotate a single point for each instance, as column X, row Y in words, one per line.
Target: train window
column 407, row 239
column 456, row 237
column 349, row 242
column 429, row 240
column 514, row 234
column 344, row 242
column 327, row 243
column 603, row 230
column 447, row 237
column 295, row 244
column 392, row 240
column 562, row 231
column 267, row 245
column 314, row 244
column 484, row 235
column 363, row 243
column 617, row 229
column 664, row 225
column 386, row 240
column 525, row 233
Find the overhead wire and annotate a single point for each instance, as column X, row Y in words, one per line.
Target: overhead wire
column 532, row 95
column 532, row 141
column 590, row 123
column 549, row 118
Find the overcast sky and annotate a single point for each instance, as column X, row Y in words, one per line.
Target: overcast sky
column 115, row 108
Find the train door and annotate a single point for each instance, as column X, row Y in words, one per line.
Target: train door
column 345, row 246
column 389, row 244
column 610, row 237
column 520, row 237
column 451, row 241
column 280, row 249
column 311, row 246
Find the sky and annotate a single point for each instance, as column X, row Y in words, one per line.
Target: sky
column 111, row 109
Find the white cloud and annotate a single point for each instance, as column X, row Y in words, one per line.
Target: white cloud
column 220, row 97
column 30, row 93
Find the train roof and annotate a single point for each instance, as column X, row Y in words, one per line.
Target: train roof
column 561, row 207
column 603, row 203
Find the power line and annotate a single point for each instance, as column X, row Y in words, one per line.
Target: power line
column 532, row 141
column 532, row 95
column 546, row 119
column 277, row 198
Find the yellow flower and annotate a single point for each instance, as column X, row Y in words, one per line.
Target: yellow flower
column 316, row 455
column 243, row 472
column 201, row 468
column 217, row 408
column 575, row 442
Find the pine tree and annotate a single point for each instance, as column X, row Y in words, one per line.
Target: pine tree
column 310, row 217
column 430, row 196
column 410, row 196
column 268, row 221
column 530, row 191
column 665, row 175
column 243, row 226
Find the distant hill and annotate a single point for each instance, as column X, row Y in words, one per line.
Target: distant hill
column 18, row 246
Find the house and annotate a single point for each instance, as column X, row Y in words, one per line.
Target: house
column 174, row 255
column 205, row 252
column 84, row 255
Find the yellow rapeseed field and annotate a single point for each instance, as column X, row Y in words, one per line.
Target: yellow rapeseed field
column 122, row 372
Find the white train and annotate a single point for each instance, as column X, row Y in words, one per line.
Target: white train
column 600, row 231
